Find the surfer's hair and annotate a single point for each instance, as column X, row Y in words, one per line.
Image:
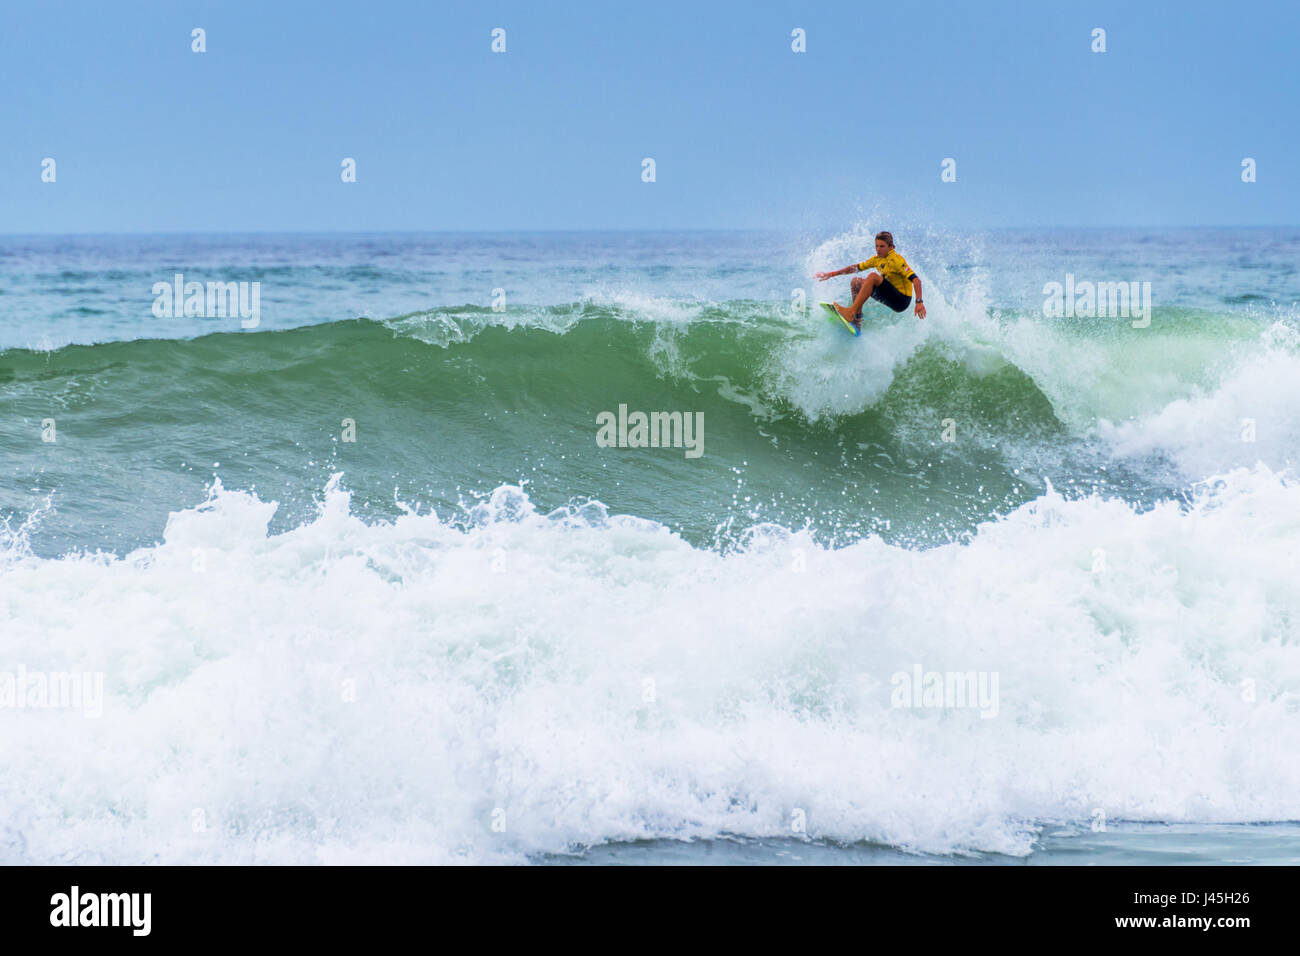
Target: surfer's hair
column 887, row 236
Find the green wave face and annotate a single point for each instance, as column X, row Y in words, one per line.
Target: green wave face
column 915, row 437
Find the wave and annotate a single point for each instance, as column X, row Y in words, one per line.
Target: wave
column 517, row 682
column 997, row 378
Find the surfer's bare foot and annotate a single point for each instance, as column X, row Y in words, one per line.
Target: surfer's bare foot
column 844, row 312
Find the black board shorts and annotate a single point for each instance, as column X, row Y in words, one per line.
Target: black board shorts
column 886, row 293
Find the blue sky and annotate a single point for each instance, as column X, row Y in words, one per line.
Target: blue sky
column 151, row 137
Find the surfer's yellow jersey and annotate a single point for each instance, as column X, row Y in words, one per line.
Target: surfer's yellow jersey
column 894, row 268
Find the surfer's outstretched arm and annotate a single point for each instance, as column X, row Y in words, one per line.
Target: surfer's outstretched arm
column 823, row 276
column 919, row 311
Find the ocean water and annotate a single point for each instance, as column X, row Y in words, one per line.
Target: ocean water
column 361, row 585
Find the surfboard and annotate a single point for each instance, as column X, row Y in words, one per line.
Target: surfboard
column 838, row 319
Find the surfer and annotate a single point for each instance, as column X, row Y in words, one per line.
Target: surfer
column 892, row 284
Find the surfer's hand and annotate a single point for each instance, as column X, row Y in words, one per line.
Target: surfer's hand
column 920, row 310
column 823, row 276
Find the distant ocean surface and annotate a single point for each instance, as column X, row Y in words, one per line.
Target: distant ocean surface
column 362, row 586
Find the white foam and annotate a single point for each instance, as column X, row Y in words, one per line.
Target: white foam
column 1251, row 415
column 444, row 327
column 597, row 678
column 644, row 307
column 830, row 373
